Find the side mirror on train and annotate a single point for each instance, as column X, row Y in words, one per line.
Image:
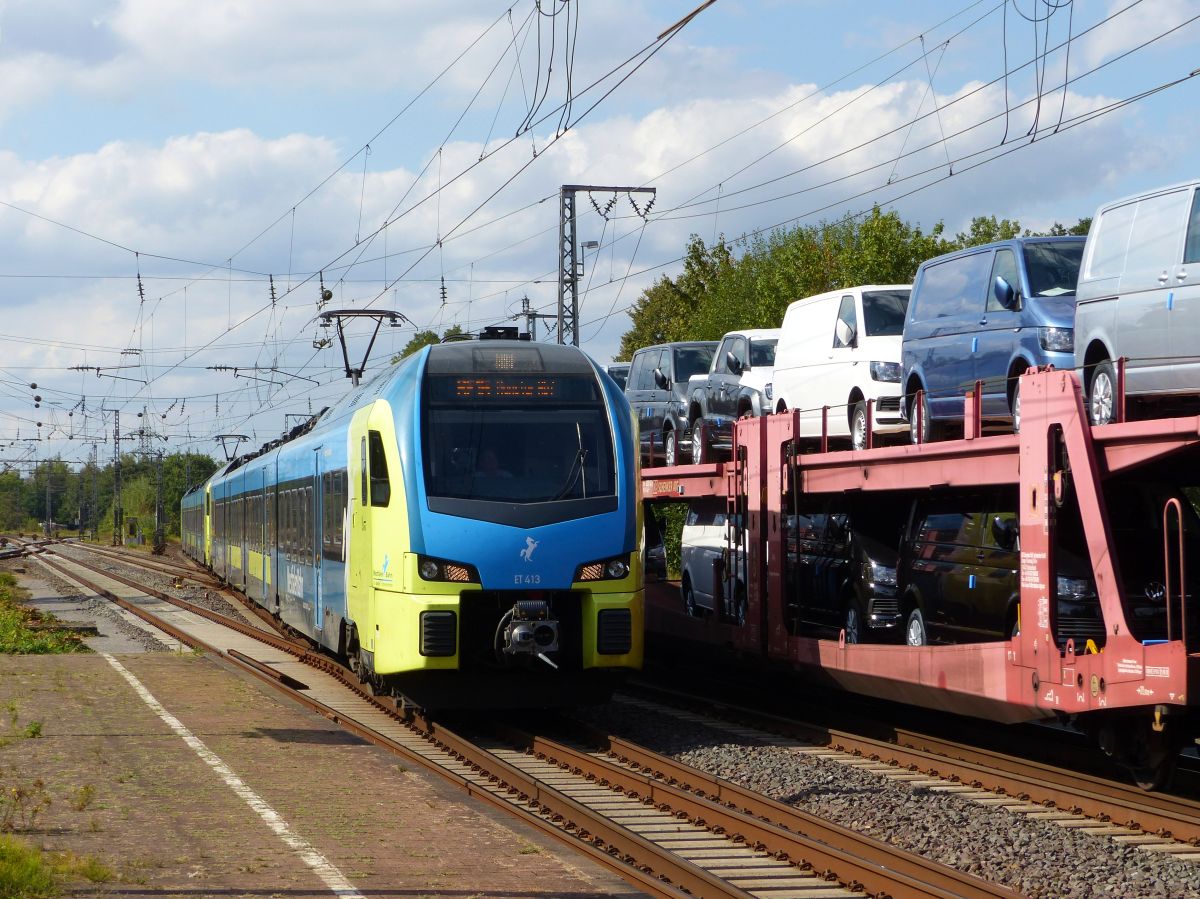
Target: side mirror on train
column 663, row 382
column 1005, row 294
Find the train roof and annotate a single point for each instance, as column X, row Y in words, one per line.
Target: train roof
column 510, row 356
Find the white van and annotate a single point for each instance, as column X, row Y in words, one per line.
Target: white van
column 707, row 531
column 1139, row 297
column 840, row 349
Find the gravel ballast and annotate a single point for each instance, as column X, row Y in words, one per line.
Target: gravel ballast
column 1033, row 857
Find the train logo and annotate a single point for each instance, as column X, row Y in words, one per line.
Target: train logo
column 295, row 581
column 530, row 546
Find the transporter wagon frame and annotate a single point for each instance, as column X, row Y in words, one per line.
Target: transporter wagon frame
column 1135, row 690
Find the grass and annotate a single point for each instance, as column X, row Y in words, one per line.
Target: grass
column 24, row 872
column 16, row 634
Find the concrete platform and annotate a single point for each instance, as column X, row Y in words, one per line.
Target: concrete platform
column 118, row 631
column 127, row 788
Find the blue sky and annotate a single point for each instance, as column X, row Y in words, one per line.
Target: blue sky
column 176, row 139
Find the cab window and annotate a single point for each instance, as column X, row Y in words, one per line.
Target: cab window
column 846, row 325
column 1004, row 267
column 381, row 488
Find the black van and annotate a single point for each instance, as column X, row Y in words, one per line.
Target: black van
column 657, row 391
column 958, row 574
column 841, row 566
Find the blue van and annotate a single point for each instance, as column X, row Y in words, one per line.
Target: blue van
column 987, row 313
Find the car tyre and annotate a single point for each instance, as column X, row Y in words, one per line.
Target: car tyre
column 1102, row 394
column 699, row 450
column 737, row 614
column 689, row 598
column 926, row 426
column 859, row 426
column 1016, row 407
column 914, row 629
column 670, row 449
column 852, row 622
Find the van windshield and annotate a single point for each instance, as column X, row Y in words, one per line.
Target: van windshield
column 692, row 360
column 1053, row 268
column 762, row 352
column 883, row 312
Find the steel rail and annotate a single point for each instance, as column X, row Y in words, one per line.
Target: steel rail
column 763, row 823
column 197, row 575
column 1037, row 782
column 225, row 592
column 639, row 861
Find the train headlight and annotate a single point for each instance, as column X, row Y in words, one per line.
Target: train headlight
column 613, row 569
column 616, row 569
column 431, row 569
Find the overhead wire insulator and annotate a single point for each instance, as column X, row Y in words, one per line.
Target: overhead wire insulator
column 326, row 294
column 443, row 290
column 272, row 277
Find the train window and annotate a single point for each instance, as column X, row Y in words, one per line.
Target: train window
column 381, row 488
column 362, row 459
column 308, row 523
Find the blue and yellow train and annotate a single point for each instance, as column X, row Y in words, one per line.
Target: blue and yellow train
column 464, row 529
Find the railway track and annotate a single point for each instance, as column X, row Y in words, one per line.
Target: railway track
column 1153, row 821
column 703, row 839
column 186, row 571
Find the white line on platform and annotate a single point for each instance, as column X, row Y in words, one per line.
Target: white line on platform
column 322, row 867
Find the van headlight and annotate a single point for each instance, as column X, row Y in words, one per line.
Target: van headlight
column 1075, row 588
column 885, row 371
column 1058, row 340
column 880, row 574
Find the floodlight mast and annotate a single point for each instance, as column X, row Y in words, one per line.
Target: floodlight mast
column 394, row 319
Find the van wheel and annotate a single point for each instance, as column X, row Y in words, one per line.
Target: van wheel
column 699, row 451
column 858, row 426
column 914, row 631
column 1102, row 394
column 670, row 449
column 1016, row 407
column 852, row 622
column 737, row 614
column 926, row 433
column 689, row 598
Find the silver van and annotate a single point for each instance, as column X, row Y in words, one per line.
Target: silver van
column 1139, row 297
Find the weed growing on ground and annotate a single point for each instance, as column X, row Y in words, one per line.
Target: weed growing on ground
column 83, row 797
column 24, row 872
column 17, row 633
column 21, row 804
column 86, row 867
column 33, row 730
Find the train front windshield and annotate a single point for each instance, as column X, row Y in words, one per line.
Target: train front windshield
column 519, row 438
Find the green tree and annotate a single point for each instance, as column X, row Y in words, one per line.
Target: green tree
column 985, row 229
column 425, row 338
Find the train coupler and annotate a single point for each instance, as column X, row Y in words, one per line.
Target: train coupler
column 528, row 630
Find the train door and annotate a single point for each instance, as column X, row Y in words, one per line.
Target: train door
column 274, row 538
column 208, row 524
column 315, row 521
column 360, row 544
